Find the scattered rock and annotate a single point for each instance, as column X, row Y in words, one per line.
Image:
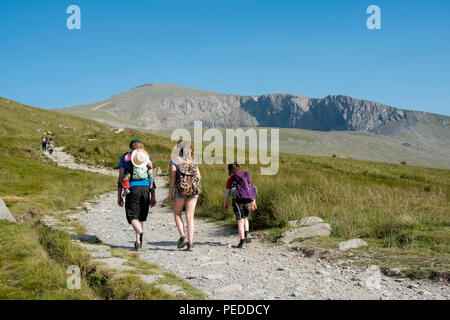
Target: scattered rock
column 319, row 229
column 5, row 214
column 157, row 171
column 352, row 244
column 84, row 237
column 91, row 247
column 115, row 263
column 308, row 221
column 100, row 254
column 394, row 272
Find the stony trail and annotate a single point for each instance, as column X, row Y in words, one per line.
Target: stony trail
column 259, row 271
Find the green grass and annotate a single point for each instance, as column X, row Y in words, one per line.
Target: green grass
column 106, row 283
column 395, row 208
column 26, row 270
column 34, row 259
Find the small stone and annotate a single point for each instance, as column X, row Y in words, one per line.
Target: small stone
column 84, row 237
column 100, row 254
column 352, row 244
column 394, row 272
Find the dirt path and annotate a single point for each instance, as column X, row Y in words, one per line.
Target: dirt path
column 259, row 271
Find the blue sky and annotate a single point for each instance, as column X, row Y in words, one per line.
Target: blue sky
column 314, row 48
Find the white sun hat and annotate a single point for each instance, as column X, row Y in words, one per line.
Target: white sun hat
column 140, row 158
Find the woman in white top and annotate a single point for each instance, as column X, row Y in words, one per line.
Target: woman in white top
column 185, row 157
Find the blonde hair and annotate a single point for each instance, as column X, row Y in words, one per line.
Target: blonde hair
column 186, row 150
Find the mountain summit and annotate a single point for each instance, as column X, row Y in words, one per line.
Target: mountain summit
column 168, row 106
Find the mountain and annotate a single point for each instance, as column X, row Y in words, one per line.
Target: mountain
column 162, row 106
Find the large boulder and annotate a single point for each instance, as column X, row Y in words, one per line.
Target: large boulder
column 5, row 214
column 308, row 221
column 352, row 244
column 315, row 230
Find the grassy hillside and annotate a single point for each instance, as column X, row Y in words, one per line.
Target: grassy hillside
column 360, row 145
column 33, row 260
column 400, row 210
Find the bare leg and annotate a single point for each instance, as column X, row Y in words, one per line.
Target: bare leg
column 246, row 224
column 241, row 223
column 190, row 209
column 137, row 228
column 177, row 210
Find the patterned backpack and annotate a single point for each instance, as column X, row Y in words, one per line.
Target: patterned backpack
column 187, row 182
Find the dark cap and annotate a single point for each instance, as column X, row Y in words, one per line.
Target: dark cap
column 133, row 141
column 233, row 165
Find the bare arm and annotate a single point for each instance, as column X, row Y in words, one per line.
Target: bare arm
column 119, row 187
column 226, row 198
column 173, row 171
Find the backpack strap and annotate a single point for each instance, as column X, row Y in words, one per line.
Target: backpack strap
column 131, row 171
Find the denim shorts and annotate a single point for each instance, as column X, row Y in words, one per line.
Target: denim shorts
column 179, row 195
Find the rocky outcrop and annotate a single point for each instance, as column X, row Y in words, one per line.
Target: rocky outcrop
column 4, row 212
column 305, row 228
column 333, row 113
column 167, row 106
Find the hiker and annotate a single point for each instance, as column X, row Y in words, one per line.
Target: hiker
column 50, row 146
column 127, row 175
column 43, row 143
column 138, row 200
column 244, row 194
column 184, row 190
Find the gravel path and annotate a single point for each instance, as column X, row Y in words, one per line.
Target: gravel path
column 259, row 271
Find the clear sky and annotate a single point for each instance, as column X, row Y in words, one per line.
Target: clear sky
column 314, row 48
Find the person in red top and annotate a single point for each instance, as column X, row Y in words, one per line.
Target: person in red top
column 241, row 209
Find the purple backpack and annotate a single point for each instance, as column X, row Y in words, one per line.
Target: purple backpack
column 245, row 190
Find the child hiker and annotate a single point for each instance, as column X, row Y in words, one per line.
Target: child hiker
column 244, row 195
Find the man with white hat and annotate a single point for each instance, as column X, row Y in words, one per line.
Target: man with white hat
column 138, row 200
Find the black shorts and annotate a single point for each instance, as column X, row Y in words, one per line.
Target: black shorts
column 242, row 210
column 137, row 203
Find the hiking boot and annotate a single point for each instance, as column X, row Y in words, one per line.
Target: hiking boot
column 241, row 244
column 137, row 246
column 189, row 247
column 141, row 239
column 181, row 243
column 248, row 237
